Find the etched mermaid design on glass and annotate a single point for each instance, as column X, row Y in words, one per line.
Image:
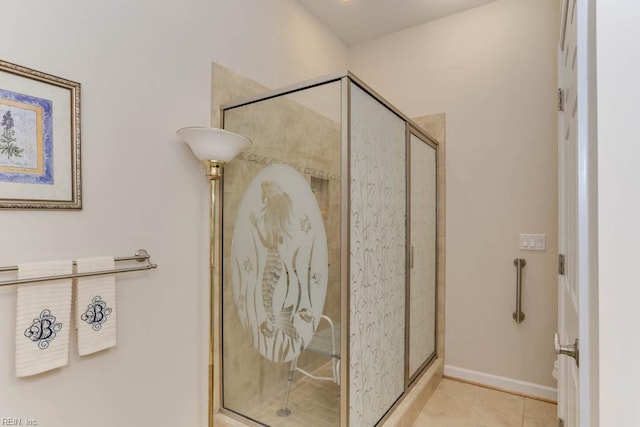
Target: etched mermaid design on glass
column 279, row 263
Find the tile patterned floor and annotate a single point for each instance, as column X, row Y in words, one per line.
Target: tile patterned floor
column 457, row 404
column 453, row 404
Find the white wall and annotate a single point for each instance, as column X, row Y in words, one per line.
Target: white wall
column 492, row 69
column 275, row 42
column 145, row 71
column 618, row 68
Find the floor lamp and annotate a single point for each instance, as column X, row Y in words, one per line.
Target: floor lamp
column 214, row 147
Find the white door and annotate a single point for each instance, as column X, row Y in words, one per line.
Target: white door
column 576, row 219
column 568, row 295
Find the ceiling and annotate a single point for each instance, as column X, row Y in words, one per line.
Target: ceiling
column 355, row 21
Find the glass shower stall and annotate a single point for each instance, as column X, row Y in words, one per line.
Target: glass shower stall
column 327, row 309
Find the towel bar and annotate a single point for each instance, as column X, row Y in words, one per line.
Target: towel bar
column 140, row 256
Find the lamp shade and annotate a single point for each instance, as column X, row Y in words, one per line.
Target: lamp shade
column 212, row 143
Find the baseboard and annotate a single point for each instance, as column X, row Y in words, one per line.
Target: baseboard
column 502, row 383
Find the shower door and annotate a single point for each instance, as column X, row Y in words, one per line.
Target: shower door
column 421, row 295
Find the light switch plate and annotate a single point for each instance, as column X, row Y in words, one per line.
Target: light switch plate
column 533, row 242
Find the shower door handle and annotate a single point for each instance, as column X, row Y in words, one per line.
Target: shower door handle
column 518, row 315
column 411, row 257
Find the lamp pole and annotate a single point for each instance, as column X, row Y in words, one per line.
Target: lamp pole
column 208, row 143
column 215, row 172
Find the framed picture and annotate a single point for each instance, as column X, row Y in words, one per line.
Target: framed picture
column 39, row 140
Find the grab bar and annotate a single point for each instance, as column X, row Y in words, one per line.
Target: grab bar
column 518, row 315
column 140, row 256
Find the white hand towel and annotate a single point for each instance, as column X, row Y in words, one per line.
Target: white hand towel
column 96, row 306
column 43, row 316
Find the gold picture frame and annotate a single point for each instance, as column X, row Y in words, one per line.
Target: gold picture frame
column 39, row 140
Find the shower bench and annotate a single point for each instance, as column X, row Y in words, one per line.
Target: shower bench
column 325, row 342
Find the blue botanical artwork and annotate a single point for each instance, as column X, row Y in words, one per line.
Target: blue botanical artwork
column 8, row 138
column 26, row 139
column 43, row 329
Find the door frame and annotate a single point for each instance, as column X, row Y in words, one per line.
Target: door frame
column 588, row 214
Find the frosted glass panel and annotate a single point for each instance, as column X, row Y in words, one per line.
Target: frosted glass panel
column 422, row 285
column 378, row 255
column 281, row 270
